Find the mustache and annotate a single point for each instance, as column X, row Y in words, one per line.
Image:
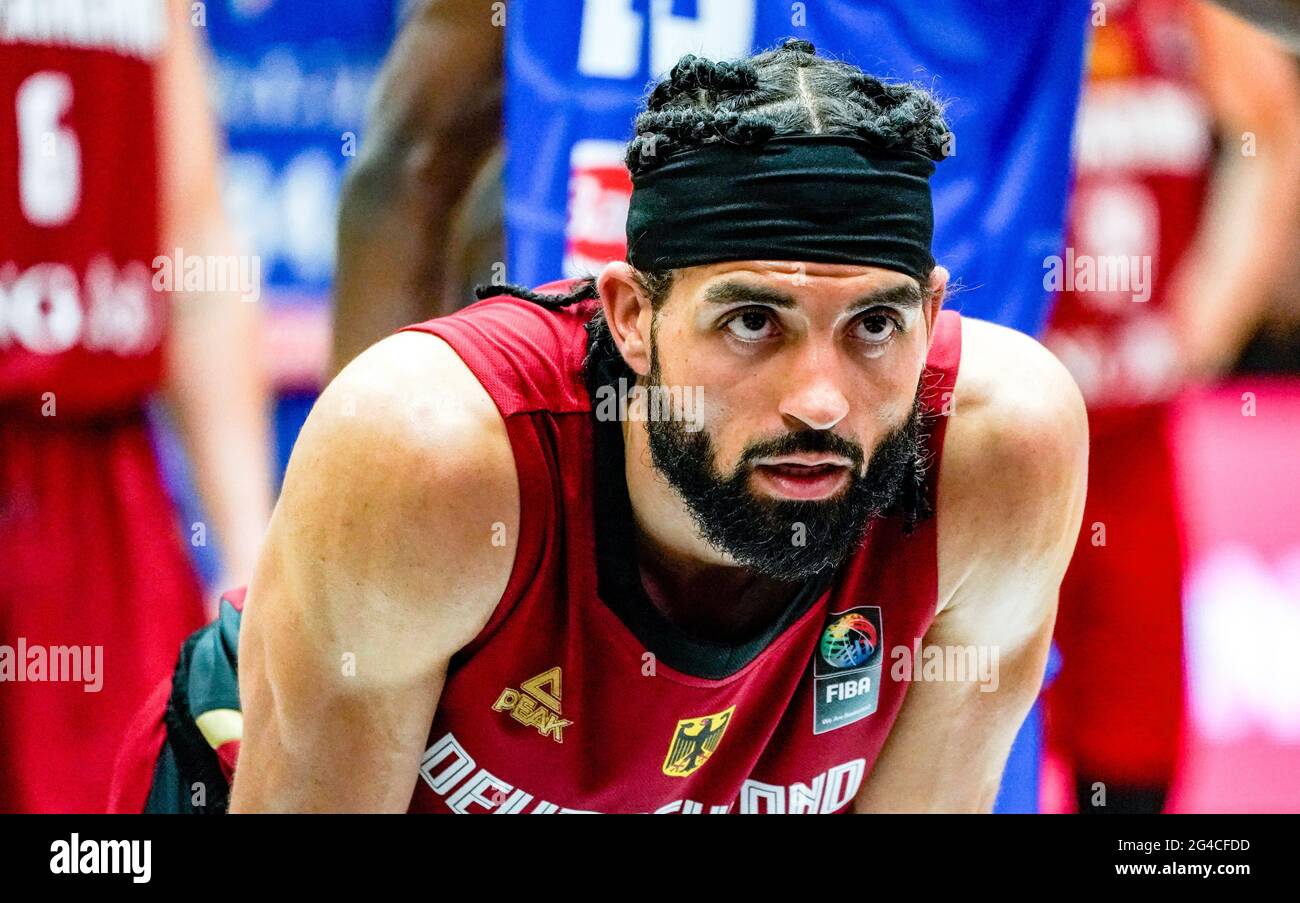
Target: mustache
column 807, row 441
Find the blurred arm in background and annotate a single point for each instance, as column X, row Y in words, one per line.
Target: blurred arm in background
column 1219, row 293
column 1281, row 18
column 436, row 118
column 216, row 385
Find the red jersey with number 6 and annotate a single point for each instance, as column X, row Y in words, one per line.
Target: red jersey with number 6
column 1144, row 148
column 579, row 696
column 79, row 201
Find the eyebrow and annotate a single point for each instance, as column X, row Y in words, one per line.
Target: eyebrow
column 904, row 295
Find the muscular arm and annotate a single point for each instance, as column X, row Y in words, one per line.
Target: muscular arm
column 1010, row 501
column 378, row 567
column 436, row 116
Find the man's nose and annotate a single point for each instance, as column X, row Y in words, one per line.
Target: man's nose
column 814, row 397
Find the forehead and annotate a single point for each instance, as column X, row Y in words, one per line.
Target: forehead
column 802, row 283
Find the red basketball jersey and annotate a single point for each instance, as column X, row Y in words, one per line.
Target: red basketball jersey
column 574, row 698
column 1144, row 146
column 79, row 204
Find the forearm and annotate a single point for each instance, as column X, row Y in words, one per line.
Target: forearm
column 391, row 239
column 436, row 118
column 214, row 378
column 337, row 699
column 313, row 744
column 950, row 745
column 961, row 794
column 1252, row 90
column 218, row 394
column 1239, row 254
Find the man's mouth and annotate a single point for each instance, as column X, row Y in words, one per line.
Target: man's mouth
column 803, row 477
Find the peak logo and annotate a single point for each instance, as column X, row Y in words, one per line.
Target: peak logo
column 537, row 704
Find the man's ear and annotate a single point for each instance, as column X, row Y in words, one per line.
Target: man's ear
column 936, row 291
column 628, row 313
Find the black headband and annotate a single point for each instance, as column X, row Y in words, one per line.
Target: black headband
column 825, row 198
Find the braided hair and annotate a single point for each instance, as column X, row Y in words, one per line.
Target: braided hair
column 789, row 90
column 786, row 91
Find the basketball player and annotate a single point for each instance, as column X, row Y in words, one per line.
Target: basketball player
column 1207, row 243
column 107, row 160
column 485, row 589
column 560, row 81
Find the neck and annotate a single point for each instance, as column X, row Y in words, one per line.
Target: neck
column 696, row 587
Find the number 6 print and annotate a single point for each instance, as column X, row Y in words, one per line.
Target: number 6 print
column 49, row 157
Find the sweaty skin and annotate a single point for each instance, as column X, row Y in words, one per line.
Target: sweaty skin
column 380, row 565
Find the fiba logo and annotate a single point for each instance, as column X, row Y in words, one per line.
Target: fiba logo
column 849, row 641
column 846, row 668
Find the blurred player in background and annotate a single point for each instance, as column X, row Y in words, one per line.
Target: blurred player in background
column 1203, row 238
column 108, row 159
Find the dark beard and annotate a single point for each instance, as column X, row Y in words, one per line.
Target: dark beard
column 781, row 538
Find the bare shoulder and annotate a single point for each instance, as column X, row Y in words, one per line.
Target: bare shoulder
column 410, row 394
column 401, row 496
column 1014, row 460
column 1010, row 386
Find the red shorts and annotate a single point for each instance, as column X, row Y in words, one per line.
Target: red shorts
column 1115, row 713
column 93, row 573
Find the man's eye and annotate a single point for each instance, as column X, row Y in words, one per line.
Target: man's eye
column 876, row 328
column 750, row 325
